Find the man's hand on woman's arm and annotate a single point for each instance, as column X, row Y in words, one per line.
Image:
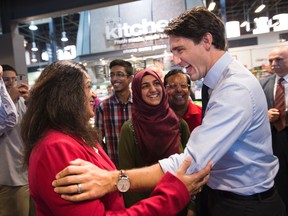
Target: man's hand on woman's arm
column 96, row 182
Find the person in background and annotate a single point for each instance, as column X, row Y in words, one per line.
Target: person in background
column 154, row 131
column 178, row 86
column 56, row 130
column 234, row 134
column 112, row 112
column 109, row 90
column 14, row 189
column 96, row 101
column 8, row 112
column 278, row 59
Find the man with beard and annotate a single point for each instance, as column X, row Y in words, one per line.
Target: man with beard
column 112, row 112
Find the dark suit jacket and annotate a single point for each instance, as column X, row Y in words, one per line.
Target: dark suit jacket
column 268, row 87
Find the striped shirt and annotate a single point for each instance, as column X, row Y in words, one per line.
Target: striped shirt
column 109, row 118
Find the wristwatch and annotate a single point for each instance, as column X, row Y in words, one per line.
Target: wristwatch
column 123, row 183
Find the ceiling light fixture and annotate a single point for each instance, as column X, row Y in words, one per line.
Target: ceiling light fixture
column 211, row 6
column 33, row 59
column 64, row 37
column 32, row 26
column 34, row 47
column 260, row 8
column 243, row 24
column 246, row 16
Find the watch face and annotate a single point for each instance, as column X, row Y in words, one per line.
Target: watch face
column 123, row 185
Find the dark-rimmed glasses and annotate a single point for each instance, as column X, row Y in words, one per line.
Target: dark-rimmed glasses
column 175, row 86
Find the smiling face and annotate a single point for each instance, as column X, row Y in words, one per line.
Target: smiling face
column 193, row 57
column 179, row 95
column 90, row 95
column 151, row 90
column 119, row 79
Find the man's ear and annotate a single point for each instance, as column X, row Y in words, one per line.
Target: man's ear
column 207, row 40
column 131, row 78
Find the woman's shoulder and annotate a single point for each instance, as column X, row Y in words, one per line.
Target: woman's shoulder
column 183, row 122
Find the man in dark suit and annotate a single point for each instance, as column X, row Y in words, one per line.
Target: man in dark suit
column 278, row 59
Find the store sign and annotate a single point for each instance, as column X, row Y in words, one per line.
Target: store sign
column 139, row 29
column 145, row 49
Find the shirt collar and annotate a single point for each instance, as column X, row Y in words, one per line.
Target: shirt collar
column 278, row 77
column 114, row 98
column 214, row 74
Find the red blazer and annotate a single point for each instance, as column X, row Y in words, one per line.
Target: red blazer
column 54, row 152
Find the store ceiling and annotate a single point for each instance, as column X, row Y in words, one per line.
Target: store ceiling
column 239, row 9
column 44, row 35
column 235, row 10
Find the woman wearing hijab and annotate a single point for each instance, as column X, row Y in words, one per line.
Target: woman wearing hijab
column 154, row 132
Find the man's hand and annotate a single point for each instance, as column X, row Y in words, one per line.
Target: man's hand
column 95, row 182
column 23, row 90
column 194, row 181
column 273, row 114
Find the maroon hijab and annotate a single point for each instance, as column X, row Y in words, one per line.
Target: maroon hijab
column 157, row 128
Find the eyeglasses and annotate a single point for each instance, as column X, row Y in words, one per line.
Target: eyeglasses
column 175, row 86
column 118, row 75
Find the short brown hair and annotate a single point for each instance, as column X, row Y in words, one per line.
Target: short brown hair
column 195, row 23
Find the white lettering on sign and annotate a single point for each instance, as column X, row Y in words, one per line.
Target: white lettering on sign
column 139, row 39
column 145, row 49
column 135, row 30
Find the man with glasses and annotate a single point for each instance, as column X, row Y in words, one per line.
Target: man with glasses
column 14, row 188
column 8, row 112
column 178, row 86
column 112, row 112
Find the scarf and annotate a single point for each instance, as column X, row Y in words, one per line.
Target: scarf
column 157, row 128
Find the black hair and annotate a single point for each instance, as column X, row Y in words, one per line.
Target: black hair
column 127, row 65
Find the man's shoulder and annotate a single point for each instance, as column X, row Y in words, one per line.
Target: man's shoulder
column 194, row 108
column 266, row 80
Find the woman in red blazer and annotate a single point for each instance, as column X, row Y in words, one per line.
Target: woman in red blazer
column 56, row 130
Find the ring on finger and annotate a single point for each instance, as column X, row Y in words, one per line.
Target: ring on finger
column 79, row 188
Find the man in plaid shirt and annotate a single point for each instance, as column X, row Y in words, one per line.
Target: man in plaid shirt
column 112, row 112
